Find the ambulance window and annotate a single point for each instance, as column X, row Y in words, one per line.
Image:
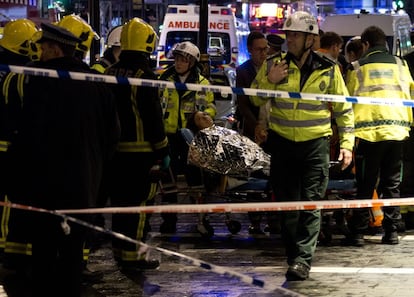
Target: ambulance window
column 219, row 48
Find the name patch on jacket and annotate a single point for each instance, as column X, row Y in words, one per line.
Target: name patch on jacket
column 376, row 73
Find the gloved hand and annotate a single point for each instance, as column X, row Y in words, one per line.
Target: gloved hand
column 165, row 163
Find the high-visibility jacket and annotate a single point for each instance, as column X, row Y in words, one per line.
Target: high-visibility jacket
column 178, row 105
column 379, row 74
column 139, row 108
column 302, row 120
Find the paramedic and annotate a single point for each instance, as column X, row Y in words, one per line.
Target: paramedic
column 143, row 144
column 380, row 132
column 178, row 105
column 299, row 135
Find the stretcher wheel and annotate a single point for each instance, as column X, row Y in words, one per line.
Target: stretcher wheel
column 205, row 229
column 233, row 226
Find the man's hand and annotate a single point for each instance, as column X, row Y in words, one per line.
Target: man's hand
column 278, row 72
column 345, row 156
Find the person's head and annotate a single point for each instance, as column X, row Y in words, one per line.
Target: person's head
column 300, row 29
column 257, row 46
column 17, row 36
column 82, row 30
column 373, row 36
column 198, row 121
column 275, row 44
column 353, row 49
column 186, row 56
column 332, row 43
column 113, row 42
column 137, row 35
column 317, row 40
column 56, row 42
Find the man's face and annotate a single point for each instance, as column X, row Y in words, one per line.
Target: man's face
column 298, row 41
column 49, row 51
column 258, row 51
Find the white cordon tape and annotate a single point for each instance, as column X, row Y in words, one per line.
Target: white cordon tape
column 246, row 207
column 144, row 248
column 203, row 88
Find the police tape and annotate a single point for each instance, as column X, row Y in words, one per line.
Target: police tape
column 247, row 207
column 144, row 248
column 63, row 74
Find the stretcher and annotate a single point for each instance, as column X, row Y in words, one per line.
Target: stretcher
column 216, row 186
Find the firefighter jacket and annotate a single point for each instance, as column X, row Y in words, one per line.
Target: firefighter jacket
column 178, row 105
column 301, row 120
column 380, row 74
column 68, row 129
column 139, row 107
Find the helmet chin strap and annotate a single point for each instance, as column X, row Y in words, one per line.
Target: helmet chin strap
column 304, row 48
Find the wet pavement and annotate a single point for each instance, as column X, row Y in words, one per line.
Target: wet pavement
column 373, row 270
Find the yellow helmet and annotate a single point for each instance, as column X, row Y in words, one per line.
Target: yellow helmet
column 17, row 36
column 137, row 35
column 81, row 29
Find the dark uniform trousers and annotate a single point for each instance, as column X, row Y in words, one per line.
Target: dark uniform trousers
column 299, row 172
column 132, row 187
column 375, row 160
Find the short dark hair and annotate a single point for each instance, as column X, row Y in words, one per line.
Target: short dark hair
column 374, row 35
column 253, row 36
column 329, row 39
column 354, row 45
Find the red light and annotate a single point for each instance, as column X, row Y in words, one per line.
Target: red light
column 225, row 11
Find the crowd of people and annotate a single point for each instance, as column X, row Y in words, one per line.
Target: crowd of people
column 70, row 144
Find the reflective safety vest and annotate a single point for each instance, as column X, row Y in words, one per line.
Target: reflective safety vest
column 302, row 120
column 379, row 74
column 178, row 105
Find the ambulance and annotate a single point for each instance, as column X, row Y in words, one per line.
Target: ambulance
column 226, row 34
column 397, row 28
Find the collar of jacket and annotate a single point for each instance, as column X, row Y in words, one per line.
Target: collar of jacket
column 374, row 50
column 313, row 61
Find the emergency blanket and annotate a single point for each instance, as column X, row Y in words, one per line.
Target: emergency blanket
column 225, row 151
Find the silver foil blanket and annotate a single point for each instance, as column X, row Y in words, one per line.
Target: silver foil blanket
column 224, row 151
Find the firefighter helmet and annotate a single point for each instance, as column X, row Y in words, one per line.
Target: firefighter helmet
column 187, row 49
column 81, row 29
column 301, row 21
column 17, row 36
column 137, row 35
column 114, row 37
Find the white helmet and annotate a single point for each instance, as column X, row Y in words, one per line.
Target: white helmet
column 301, row 21
column 114, row 37
column 187, row 49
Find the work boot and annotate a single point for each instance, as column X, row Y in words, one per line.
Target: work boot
column 297, row 272
column 355, row 239
column 390, row 238
column 139, row 265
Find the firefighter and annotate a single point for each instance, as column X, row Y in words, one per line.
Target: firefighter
column 299, row 131
column 65, row 136
column 380, row 132
column 143, row 143
column 113, row 49
column 178, row 105
column 16, row 48
column 81, row 29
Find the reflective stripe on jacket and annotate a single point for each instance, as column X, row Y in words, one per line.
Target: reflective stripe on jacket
column 178, row 105
column 301, row 120
column 379, row 74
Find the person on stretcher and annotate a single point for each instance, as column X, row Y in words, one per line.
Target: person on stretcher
column 223, row 150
